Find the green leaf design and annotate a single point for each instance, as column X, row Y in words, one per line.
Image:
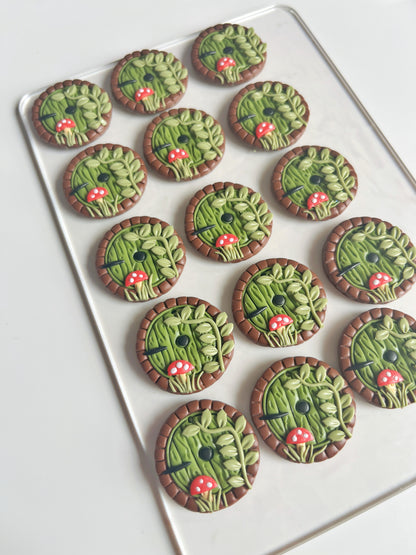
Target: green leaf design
column 211, row 367
column 248, row 441
column 172, row 321
column 236, row 481
column 292, row 384
column 252, row 457
column 338, row 383
column 206, row 418
column 209, row 351
column 190, row 431
column 227, row 347
column 232, row 464
column 336, row 435
column 320, row 374
column 348, row 414
column 346, row 400
column 229, row 451
column 131, row 236
column 200, row 311
column 331, row 422
column 221, row 319
column 329, row 408
column 221, row 418
column 226, row 330
column 325, row 394
column 305, row 371
column 225, row 439
column 240, row 424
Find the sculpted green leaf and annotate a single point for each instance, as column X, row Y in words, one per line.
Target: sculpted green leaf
column 232, row 464
column 329, row 408
column 404, row 325
column 227, row 347
column 240, row 424
column 307, row 325
column 210, row 367
column 221, row 418
column 209, row 351
column 129, row 192
column 207, row 338
column 320, row 374
column 225, row 439
column 130, row 236
column 325, row 394
column 226, row 330
column 381, row 335
column 251, row 458
column 229, row 451
column 236, row 481
column 346, row 400
column 186, row 312
column 336, row 435
column 172, row 321
column 348, row 414
column 204, row 328
column 331, row 422
column 292, row 384
column 264, row 280
column 190, row 431
column 206, row 418
column 248, row 441
column 169, row 273
column 305, row 371
column 221, row 319
column 200, row 311
column 338, row 383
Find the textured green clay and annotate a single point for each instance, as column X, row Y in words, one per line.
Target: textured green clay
column 89, row 103
column 230, row 450
column 391, row 246
column 205, row 350
column 204, row 141
column 250, row 219
column 247, row 50
column 371, row 342
column 328, row 414
column 335, row 180
column 156, row 243
column 302, row 302
column 123, row 171
column 166, row 72
column 288, row 112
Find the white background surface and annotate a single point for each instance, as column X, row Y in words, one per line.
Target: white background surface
column 71, row 479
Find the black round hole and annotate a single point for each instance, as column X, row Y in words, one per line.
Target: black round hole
column 303, row 406
column 268, row 111
column 139, row 256
column 278, row 300
column 148, row 77
column 315, row 179
column 372, row 257
column 205, row 453
column 183, row 139
column 227, row 218
column 228, row 50
column 103, row 177
column 390, row 356
column 182, row 340
column 70, row 109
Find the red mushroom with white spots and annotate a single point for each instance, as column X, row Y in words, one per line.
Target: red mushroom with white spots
column 378, row 280
column 66, row 128
column 228, row 248
column 180, row 368
column 227, row 67
column 378, row 284
column 140, row 281
column 143, row 93
column 281, row 331
column 148, row 97
column 202, row 486
column 224, row 63
column 264, row 128
column 279, row 321
column 179, row 161
column 300, row 437
column 265, row 132
column 388, row 379
column 102, row 208
column 319, row 202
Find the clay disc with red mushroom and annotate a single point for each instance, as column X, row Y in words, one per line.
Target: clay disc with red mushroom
column 71, row 113
column 184, row 144
column 370, row 260
column 185, row 345
column 279, row 302
column 140, row 259
column 228, row 54
column 104, row 180
column 268, row 115
column 228, row 222
column 303, row 409
column 314, row 182
column 377, row 354
column 149, row 81
column 207, row 456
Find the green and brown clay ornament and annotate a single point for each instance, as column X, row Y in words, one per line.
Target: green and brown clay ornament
column 207, row 456
column 185, row 345
column 303, row 409
column 228, row 54
column 183, row 144
column 268, row 115
column 370, row 260
column 228, row 222
column 314, row 182
column 140, row 259
column 377, row 354
column 104, row 180
column 279, row 303
column 71, row 113
column 149, row 81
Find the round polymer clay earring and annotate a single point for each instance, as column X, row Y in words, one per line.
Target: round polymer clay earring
column 71, row 113
column 228, row 222
column 140, row 258
column 268, row 115
column 149, row 81
column 207, row 456
column 104, row 180
column 279, row 302
column 303, row 409
column 185, row 345
column 377, row 354
column 184, row 144
column 314, row 182
column 369, row 260
column 228, row 54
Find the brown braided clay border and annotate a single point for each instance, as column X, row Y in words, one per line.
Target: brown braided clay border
column 237, row 302
column 257, row 409
column 158, row 379
column 206, row 250
column 180, row 496
column 105, row 277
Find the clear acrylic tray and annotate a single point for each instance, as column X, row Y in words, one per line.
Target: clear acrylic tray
column 289, row 503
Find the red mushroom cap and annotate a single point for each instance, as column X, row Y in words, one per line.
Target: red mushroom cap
column 317, row 198
column 298, row 436
column 201, row 484
column 279, row 321
column 388, row 377
column 225, row 240
column 96, row 194
column 142, row 93
column 177, row 154
column 179, row 367
column 135, row 277
column 378, row 279
column 264, row 128
column 63, row 124
column 225, row 62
